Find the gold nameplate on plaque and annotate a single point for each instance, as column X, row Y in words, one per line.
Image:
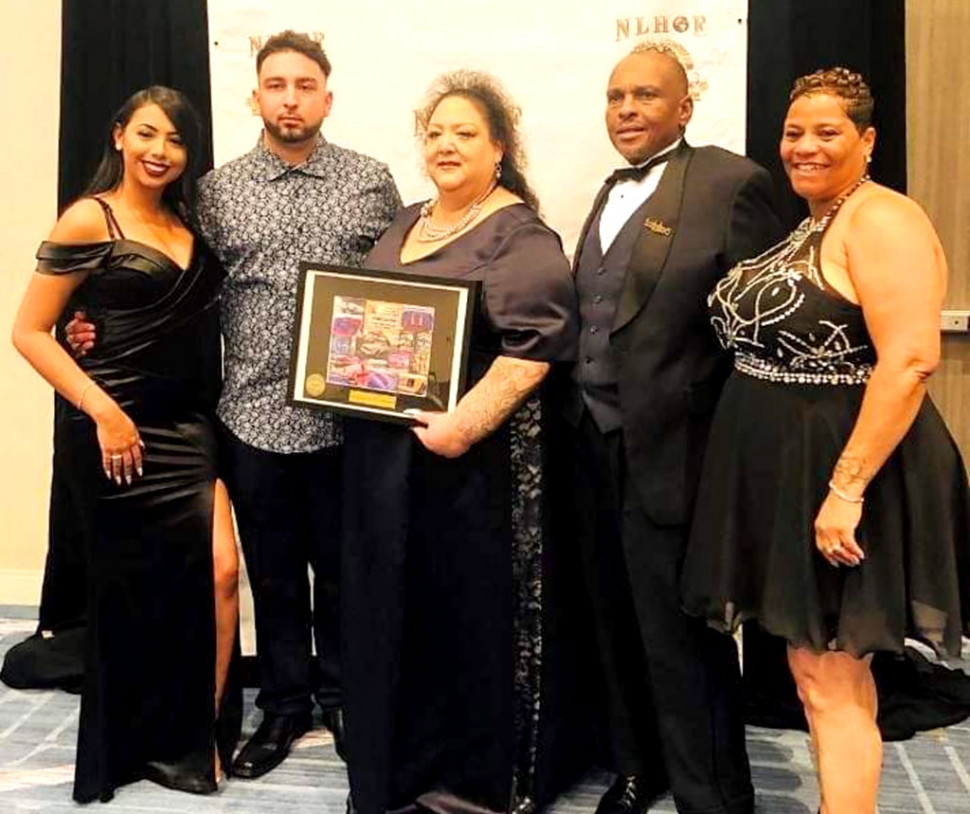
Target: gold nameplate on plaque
column 384, row 400
column 658, row 227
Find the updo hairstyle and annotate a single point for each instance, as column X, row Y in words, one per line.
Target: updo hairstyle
column 849, row 87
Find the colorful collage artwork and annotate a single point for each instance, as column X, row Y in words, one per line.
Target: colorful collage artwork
column 384, row 346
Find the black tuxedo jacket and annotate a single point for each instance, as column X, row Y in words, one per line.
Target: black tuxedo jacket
column 711, row 209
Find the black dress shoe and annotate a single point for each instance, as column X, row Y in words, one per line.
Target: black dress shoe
column 173, row 776
column 333, row 719
column 270, row 744
column 630, row 794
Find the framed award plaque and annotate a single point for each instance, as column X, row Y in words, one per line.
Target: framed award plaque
column 379, row 344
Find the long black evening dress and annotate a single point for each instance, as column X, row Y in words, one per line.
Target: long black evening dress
column 148, row 694
column 802, row 359
column 457, row 654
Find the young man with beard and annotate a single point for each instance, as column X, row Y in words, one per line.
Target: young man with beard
column 293, row 196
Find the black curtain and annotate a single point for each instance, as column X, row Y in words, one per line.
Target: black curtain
column 790, row 38
column 110, row 49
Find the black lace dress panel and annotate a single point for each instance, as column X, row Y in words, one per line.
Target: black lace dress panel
column 453, row 646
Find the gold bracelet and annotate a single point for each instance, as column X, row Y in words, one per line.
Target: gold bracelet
column 842, row 495
column 84, row 390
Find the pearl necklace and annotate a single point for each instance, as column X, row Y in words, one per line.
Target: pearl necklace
column 428, row 233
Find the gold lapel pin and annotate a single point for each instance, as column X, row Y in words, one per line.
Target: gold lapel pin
column 658, row 227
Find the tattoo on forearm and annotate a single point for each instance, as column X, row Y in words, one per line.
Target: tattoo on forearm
column 503, row 388
column 850, row 470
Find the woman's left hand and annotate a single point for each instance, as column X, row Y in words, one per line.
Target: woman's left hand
column 440, row 434
column 835, row 527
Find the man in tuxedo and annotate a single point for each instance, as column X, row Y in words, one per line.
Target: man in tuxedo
column 660, row 234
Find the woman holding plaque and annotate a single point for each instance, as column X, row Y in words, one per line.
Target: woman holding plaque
column 833, row 504
column 447, row 524
column 139, row 447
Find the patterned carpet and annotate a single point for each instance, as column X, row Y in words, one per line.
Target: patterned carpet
column 927, row 775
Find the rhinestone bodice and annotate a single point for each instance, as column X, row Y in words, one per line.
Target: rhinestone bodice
column 784, row 323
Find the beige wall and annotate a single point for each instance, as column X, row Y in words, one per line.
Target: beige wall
column 938, row 152
column 29, row 97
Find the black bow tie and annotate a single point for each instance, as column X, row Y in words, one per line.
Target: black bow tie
column 637, row 173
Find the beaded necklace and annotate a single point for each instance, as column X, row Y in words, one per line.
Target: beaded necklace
column 428, row 233
column 809, row 227
column 826, row 219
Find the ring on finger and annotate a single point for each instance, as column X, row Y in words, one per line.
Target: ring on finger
column 117, row 457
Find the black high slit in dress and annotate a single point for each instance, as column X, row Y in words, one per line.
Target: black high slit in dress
column 148, row 695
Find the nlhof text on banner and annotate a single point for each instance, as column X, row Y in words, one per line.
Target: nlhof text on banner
column 554, row 58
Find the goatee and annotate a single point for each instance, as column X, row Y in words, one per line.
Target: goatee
column 291, row 135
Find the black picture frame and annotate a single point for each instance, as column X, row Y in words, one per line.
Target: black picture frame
column 377, row 344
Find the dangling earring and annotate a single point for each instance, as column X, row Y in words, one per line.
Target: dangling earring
column 868, row 159
column 498, row 170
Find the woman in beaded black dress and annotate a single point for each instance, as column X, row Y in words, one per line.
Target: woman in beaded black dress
column 833, row 505
column 449, row 655
column 139, row 448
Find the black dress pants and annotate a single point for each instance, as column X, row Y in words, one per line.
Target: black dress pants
column 691, row 677
column 287, row 509
column 631, row 734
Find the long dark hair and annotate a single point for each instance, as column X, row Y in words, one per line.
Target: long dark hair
column 500, row 113
column 180, row 194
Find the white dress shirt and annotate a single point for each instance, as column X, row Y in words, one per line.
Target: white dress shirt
column 628, row 196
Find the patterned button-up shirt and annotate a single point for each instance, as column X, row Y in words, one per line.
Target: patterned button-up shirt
column 262, row 217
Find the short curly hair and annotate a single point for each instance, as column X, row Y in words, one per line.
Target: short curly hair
column 500, row 113
column 850, row 88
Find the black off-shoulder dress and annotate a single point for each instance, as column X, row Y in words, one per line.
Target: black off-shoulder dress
column 148, row 696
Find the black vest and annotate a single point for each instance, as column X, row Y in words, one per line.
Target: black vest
column 599, row 281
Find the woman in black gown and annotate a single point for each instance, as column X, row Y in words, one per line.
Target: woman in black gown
column 835, row 331
column 140, row 449
column 447, row 648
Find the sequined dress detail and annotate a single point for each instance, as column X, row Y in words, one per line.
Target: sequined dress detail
column 802, row 358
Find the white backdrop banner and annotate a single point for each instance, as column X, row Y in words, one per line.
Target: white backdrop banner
column 553, row 57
